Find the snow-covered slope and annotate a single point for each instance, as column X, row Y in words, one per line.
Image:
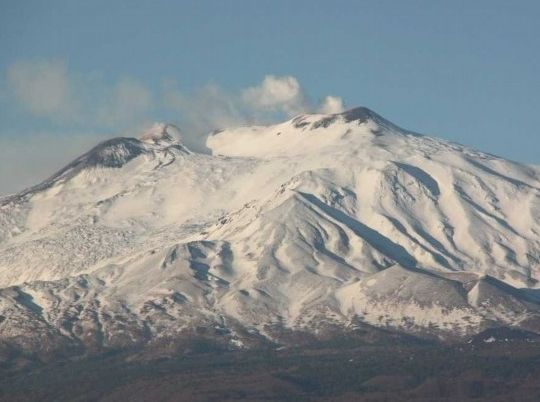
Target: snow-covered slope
column 323, row 220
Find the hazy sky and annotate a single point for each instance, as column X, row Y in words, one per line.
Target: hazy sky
column 73, row 72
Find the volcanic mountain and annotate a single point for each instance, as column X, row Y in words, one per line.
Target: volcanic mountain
column 319, row 224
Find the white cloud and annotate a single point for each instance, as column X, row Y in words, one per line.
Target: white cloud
column 332, row 104
column 276, row 93
column 43, row 88
column 48, row 89
column 209, row 105
column 203, row 110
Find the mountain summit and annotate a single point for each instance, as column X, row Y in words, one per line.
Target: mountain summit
column 319, row 223
column 162, row 132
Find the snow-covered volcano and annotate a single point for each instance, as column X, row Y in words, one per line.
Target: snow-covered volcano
column 321, row 221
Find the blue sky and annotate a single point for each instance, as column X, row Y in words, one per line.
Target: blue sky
column 73, row 72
